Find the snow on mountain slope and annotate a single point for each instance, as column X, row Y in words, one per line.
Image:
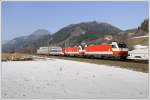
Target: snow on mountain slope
column 55, row 78
column 140, row 36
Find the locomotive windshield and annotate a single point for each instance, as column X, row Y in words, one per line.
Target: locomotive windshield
column 114, row 46
column 122, row 45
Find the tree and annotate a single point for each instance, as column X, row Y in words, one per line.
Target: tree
column 145, row 25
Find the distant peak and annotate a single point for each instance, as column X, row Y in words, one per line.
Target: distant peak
column 41, row 32
column 90, row 22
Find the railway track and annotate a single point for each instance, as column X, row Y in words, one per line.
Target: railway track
column 137, row 61
column 136, row 65
column 116, row 60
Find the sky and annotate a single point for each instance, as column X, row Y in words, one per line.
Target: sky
column 23, row 18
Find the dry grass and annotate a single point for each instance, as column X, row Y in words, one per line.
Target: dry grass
column 136, row 41
column 15, row 57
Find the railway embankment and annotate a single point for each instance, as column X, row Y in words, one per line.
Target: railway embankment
column 136, row 65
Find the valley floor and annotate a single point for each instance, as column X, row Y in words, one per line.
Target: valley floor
column 57, row 78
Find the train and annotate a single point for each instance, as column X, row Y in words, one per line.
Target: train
column 114, row 50
column 55, row 51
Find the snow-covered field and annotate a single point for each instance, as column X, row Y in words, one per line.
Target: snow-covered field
column 55, row 78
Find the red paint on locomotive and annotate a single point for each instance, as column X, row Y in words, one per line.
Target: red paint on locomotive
column 98, row 48
column 72, row 49
column 120, row 52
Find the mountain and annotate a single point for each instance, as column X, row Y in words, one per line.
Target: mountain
column 88, row 32
column 71, row 35
column 27, row 43
column 75, row 34
column 133, row 30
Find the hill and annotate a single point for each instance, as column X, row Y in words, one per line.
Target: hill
column 27, row 43
column 138, row 36
column 89, row 32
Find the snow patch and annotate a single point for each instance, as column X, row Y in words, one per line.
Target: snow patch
column 140, row 37
column 70, row 79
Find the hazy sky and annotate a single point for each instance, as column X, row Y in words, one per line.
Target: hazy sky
column 23, row 18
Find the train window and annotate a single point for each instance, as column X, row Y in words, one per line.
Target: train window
column 114, row 46
column 56, row 50
column 81, row 47
column 122, row 45
column 138, row 57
